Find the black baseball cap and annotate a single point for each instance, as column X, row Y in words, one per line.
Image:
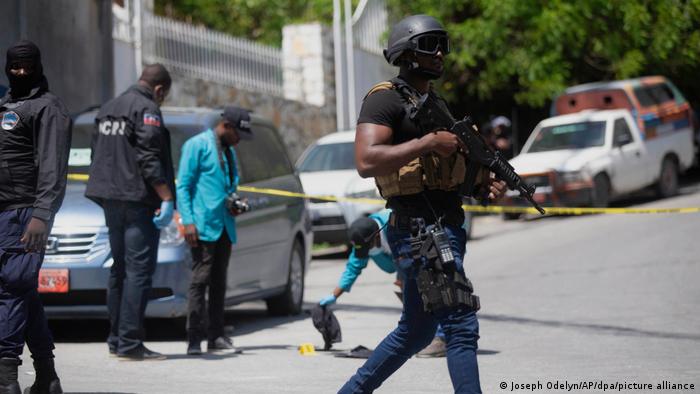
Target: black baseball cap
column 240, row 119
column 362, row 232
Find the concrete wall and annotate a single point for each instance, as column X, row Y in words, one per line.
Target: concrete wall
column 75, row 39
column 299, row 124
column 307, row 61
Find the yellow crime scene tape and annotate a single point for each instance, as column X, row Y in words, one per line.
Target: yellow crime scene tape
column 469, row 208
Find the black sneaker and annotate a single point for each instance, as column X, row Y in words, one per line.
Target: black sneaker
column 221, row 344
column 194, row 348
column 144, row 354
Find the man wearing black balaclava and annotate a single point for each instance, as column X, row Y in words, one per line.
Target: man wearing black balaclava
column 34, row 145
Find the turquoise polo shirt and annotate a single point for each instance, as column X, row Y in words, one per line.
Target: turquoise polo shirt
column 383, row 259
column 202, row 187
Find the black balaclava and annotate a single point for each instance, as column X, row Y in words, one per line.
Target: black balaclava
column 25, row 51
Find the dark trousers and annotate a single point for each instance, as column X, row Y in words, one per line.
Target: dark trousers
column 133, row 239
column 209, row 267
column 21, row 313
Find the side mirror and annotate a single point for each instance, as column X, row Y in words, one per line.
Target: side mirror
column 622, row 139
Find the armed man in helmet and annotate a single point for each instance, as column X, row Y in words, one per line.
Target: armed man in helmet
column 418, row 172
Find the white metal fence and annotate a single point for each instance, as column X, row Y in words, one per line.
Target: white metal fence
column 211, row 55
column 370, row 22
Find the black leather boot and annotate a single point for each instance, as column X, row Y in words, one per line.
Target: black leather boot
column 8, row 376
column 46, row 379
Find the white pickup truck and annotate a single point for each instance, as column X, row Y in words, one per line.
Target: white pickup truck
column 591, row 157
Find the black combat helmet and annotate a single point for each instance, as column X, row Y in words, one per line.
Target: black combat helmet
column 404, row 36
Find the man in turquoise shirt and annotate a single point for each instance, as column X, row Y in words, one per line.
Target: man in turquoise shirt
column 368, row 241
column 207, row 175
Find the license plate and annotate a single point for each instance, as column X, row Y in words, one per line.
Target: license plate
column 53, row 281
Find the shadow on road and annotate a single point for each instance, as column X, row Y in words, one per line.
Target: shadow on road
column 238, row 322
column 599, row 328
column 368, row 308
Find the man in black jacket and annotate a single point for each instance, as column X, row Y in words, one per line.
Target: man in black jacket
column 34, row 145
column 132, row 178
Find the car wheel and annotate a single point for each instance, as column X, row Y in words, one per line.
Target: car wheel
column 668, row 179
column 601, row 191
column 290, row 301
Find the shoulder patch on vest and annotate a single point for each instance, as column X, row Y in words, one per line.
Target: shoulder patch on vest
column 386, row 85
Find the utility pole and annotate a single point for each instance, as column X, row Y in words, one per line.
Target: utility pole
column 350, row 58
column 138, row 43
column 338, row 62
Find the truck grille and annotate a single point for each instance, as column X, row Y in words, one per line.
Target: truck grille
column 75, row 245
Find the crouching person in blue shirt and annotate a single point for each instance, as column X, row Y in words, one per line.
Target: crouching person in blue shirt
column 368, row 238
column 206, row 177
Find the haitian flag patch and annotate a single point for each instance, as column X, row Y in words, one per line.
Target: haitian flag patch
column 151, row 119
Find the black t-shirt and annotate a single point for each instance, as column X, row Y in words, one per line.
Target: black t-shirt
column 387, row 108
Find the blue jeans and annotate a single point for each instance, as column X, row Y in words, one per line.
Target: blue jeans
column 21, row 312
column 133, row 239
column 417, row 328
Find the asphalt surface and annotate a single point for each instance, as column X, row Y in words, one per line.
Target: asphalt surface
column 604, row 298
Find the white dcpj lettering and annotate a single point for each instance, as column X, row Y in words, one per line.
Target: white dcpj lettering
column 109, row 127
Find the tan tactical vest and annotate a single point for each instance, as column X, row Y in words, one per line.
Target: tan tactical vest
column 428, row 172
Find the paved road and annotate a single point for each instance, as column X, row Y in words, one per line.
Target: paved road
column 611, row 298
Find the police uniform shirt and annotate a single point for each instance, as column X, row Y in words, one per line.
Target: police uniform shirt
column 387, row 108
column 35, row 137
column 130, row 150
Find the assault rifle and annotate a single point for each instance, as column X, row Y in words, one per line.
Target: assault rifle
column 432, row 113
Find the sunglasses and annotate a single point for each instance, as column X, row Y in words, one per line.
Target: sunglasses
column 429, row 44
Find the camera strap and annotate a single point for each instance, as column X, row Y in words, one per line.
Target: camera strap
column 229, row 162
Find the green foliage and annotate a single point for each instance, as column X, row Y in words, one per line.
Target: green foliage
column 259, row 20
column 531, row 50
column 507, row 53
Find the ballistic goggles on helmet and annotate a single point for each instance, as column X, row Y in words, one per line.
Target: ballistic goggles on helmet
column 430, row 43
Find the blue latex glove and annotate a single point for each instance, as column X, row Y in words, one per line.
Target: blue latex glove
column 328, row 300
column 163, row 218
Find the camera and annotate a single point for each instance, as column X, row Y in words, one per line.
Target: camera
column 236, row 205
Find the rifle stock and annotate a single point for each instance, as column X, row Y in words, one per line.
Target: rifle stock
column 433, row 114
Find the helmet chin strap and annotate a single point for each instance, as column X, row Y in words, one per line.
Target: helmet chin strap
column 423, row 72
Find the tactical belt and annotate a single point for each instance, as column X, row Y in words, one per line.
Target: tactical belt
column 403, row 222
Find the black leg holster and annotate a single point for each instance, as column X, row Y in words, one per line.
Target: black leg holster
column 440, row 284
column 446, row 290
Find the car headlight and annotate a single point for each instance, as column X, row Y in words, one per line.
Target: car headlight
column 172, row 234
column 571, row 177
